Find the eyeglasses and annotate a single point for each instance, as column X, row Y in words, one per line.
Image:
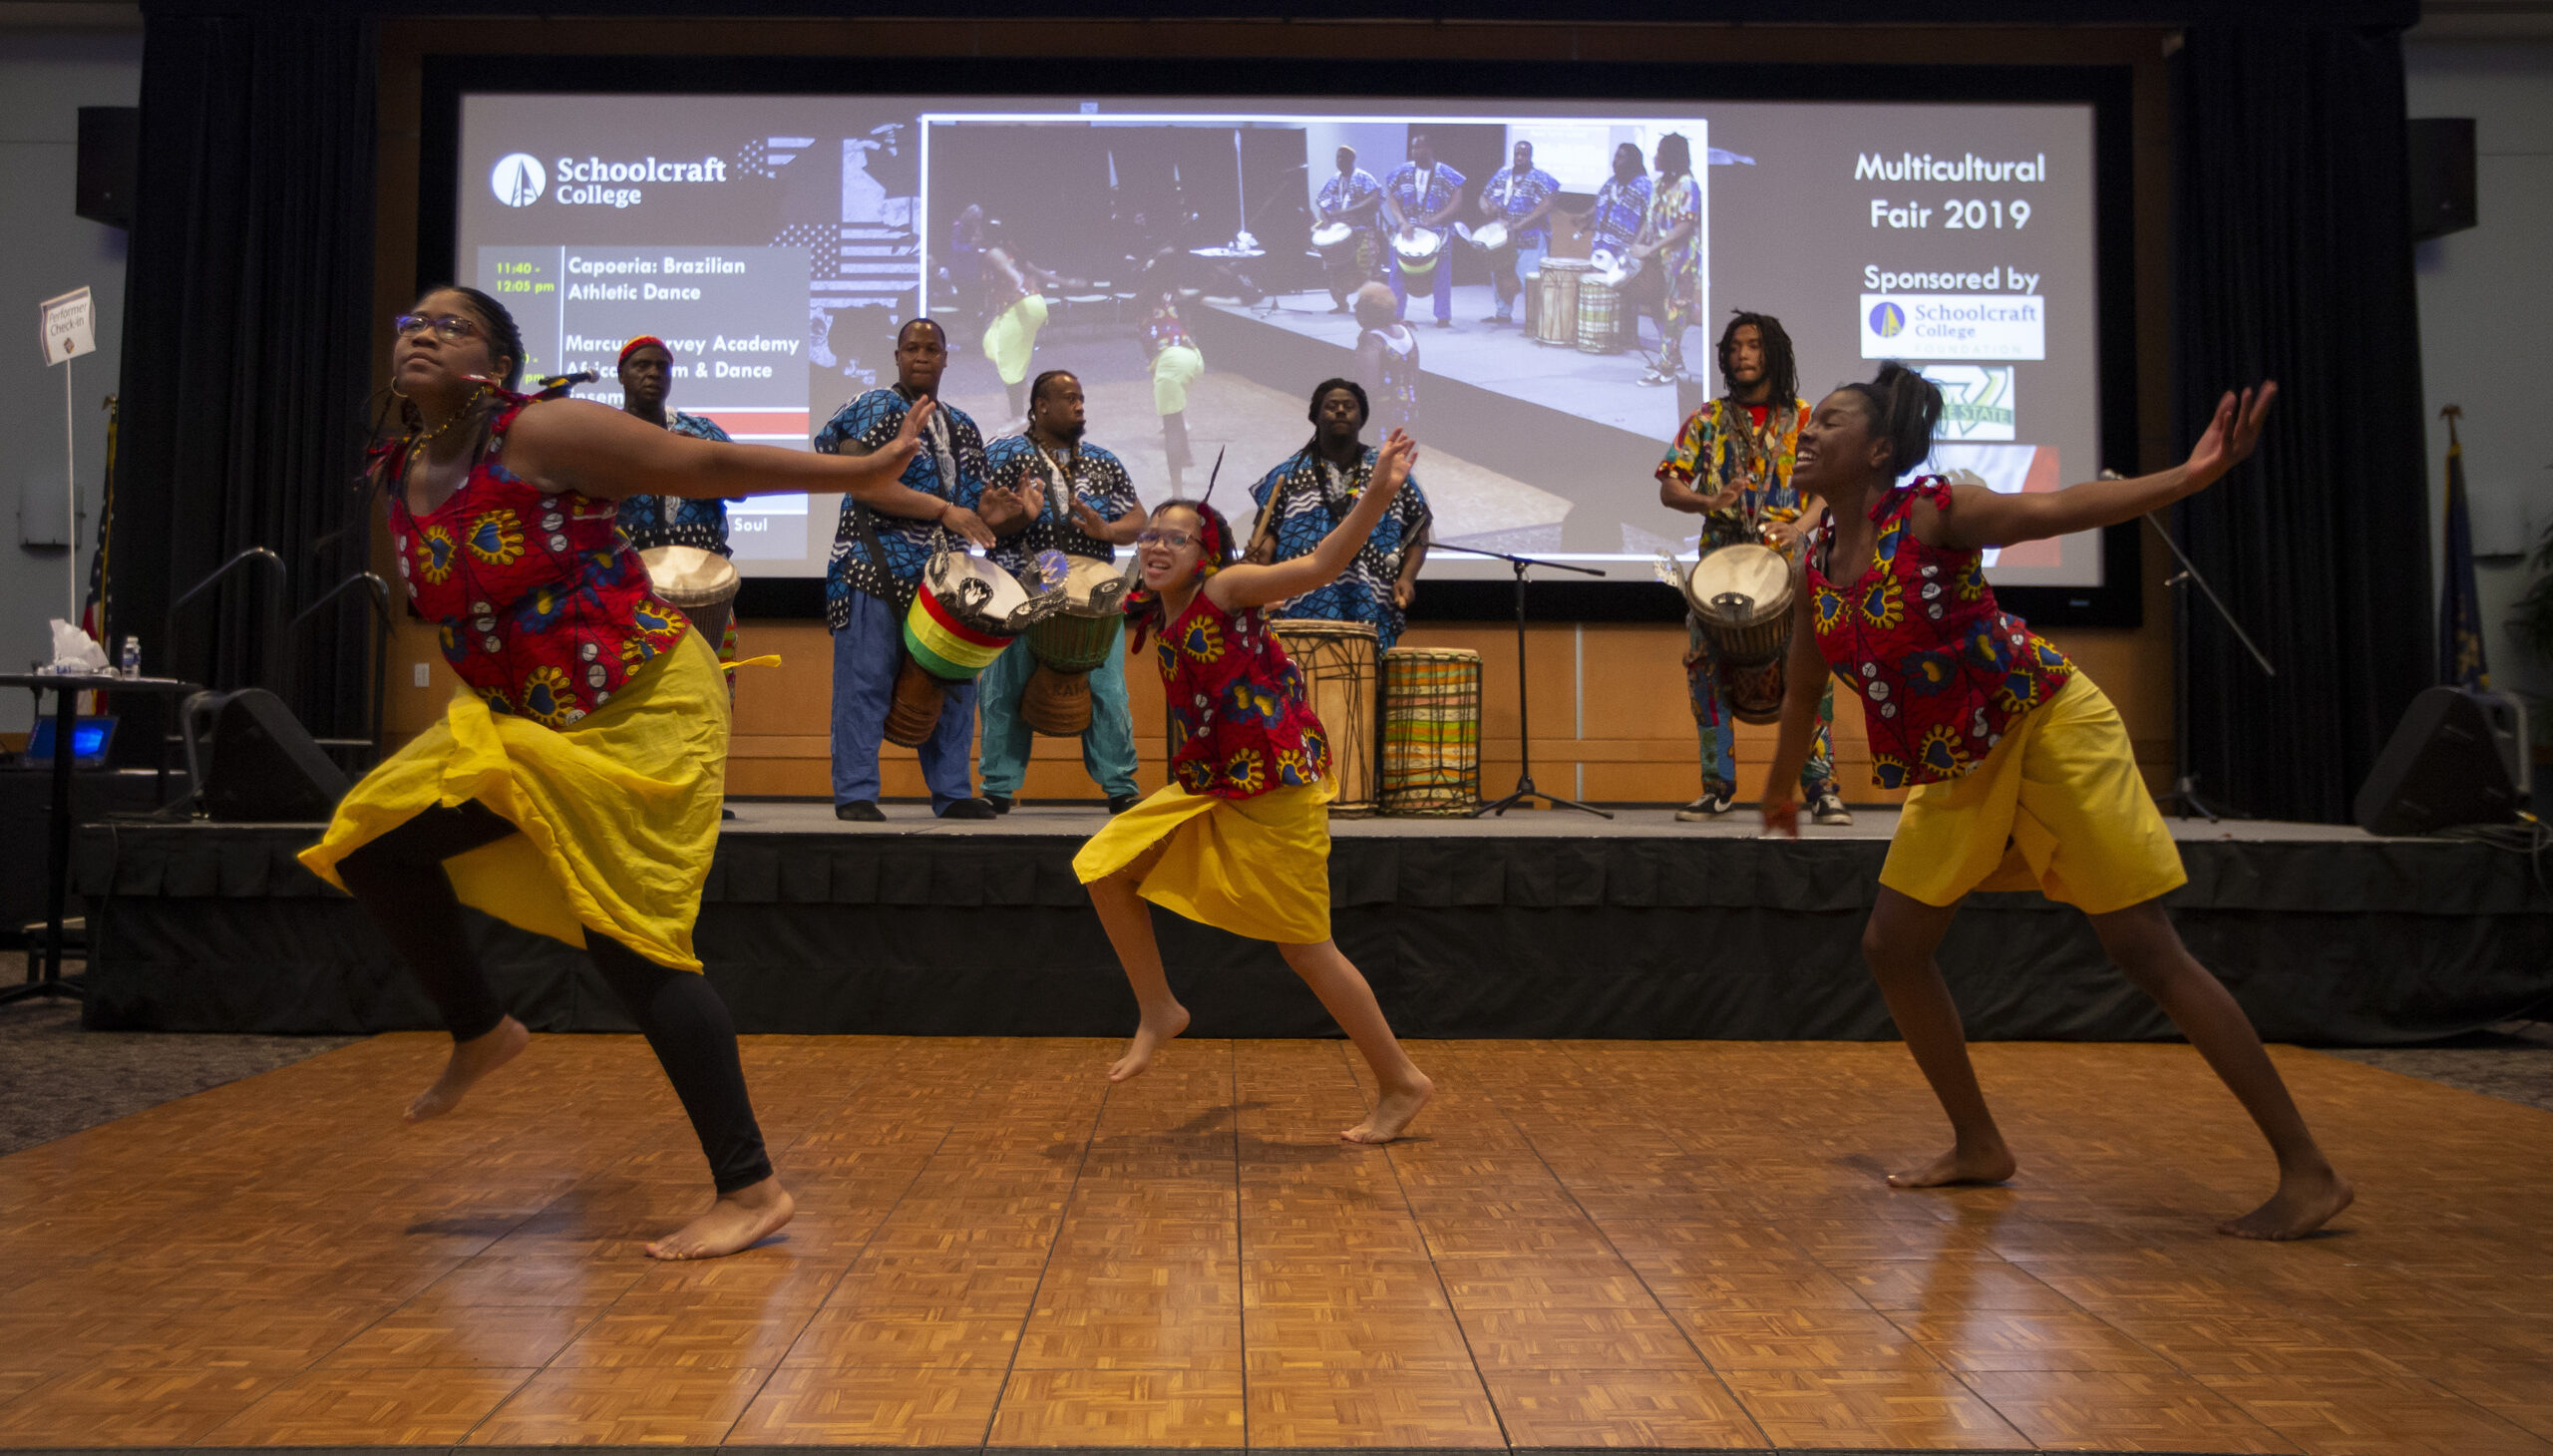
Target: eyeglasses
column 452, row 328
column 1156, row 535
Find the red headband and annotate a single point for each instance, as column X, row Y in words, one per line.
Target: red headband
column 640, row 342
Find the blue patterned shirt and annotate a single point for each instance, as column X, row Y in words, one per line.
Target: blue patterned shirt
column 658, row 520
column 1522, row 194
column 868, row 423
column 1311, row 499
column 1359, row 187
column 1621, row 208
column 1099, row 482
column 1442, row 185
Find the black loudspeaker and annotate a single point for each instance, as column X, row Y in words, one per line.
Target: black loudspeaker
column 2442, row 175
column 110, row 154
column 2447, row 764
column 258, row 765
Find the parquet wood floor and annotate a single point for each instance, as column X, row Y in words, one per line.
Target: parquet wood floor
column 1633, row 1245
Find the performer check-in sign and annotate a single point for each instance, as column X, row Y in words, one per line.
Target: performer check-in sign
column 68, row 326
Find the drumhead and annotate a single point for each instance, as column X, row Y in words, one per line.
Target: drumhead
column 1493, row 237
column 1331, row 235
column 949, row 572
column 1759, row 573
column 1421, row 243
column 1566, row 266
column 1093, row 588
column 1310, row 626
column 690, row 577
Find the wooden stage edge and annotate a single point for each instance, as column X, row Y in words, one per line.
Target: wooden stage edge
column 1670, row 1246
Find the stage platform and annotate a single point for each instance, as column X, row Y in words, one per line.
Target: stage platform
column 1674, row 1247
column 1541, row 923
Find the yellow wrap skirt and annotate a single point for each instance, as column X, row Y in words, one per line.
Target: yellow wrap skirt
column 2058, row 807
column 1173, row 369
column 1257, row 867
column 619, row 812
column 1011, row 340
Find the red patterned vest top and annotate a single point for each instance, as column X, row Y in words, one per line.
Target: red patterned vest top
column 1240, row 723
column 545, row 609
column 1943, row 671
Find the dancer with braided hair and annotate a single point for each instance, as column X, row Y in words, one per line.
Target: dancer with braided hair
column 2022, row 773
column 1240, row 839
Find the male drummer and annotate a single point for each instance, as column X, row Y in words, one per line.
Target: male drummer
column 646, row 378
column 1732, row 466
column 1351, row 197
column 1423, row 192
column 1613, row 221
column 1521, row 195
column 886, row 536
column 1312, row 491
column 1047, row 489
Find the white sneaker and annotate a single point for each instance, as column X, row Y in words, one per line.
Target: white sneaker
column 1712, row 805
column 1828, row 808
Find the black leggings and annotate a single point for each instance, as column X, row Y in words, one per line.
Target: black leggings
column 400, row 880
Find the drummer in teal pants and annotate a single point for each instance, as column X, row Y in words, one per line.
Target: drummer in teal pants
column 1049, row 490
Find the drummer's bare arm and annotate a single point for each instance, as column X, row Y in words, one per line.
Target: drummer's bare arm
column 1980, row 518
column 1803, row 685
column 595, row 449
column 1405, row 586
column 1120, row 532
column 1238, row 586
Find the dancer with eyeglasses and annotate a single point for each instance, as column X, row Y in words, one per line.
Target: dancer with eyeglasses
column 2022, row 773
column 1240, row 839
column 573, row 787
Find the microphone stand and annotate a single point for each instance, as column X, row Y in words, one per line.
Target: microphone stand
column 2184, row 783
column 1524, row 789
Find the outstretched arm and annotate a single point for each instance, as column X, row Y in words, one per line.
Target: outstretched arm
column 595, row 449
column 1981, row 517
column 1241, row 585
column 1803, row 685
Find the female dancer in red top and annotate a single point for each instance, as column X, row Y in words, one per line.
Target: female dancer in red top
column 2025, row 775
column 1240, row 839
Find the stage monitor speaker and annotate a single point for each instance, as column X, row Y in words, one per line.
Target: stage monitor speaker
column 259, row 765
column 2442, row 175
column 109, row 156
column 2449, row 763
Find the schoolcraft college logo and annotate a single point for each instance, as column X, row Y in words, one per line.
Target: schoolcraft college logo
column 1887, row 320
column 519, row 180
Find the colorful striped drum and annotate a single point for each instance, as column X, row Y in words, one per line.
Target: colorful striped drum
column 961, row 617
column 1431, row 731
column 1598, row 315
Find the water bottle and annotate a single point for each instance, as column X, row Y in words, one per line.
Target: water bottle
column 133, row 657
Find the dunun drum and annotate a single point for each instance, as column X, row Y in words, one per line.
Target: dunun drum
column 1339, row 667
column 1070, row 645
column 1741, row 594
column 1431, row 732
column 1558, row 321
column 1598, row 315
column 965, row 611
column 698, row 583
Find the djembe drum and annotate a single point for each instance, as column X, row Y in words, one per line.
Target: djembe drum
column 1431, row 732
column 965, row 611
column 1339, row 663
column 1069, row 645
column 1741, row 594
column 701, row 585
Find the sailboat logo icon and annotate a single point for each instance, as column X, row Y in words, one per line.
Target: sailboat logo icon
column 519, row 180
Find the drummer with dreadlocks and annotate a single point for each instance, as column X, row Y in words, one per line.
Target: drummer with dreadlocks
column 1732, row 466
column 1240, row 839
column 1302, row 502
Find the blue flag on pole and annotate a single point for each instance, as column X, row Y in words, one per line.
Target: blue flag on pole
column 2460, row 612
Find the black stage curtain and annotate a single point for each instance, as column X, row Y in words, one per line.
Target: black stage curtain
column 246, row 340
column 2292, row 260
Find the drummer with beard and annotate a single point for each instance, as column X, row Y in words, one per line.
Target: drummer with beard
column 1732, row 466
column 1311, row 491
column 1353, row 196
column 1050, row 489
column 1423, row 192
column 646, row 378
column 885, row 539
column 1522, row 197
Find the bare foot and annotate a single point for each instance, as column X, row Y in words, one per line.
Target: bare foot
column 2304, row 1203
column 470, row 1060
column 1959, row 1166
column 738, row 1221
column 1147, row 1039
column 1393, row 1113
